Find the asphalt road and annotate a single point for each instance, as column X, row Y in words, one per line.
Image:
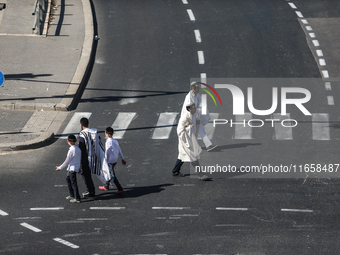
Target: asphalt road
column 146, row 56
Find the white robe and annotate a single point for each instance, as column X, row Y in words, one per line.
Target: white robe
column 188, row 147
column 197, row 100
column 96, row 154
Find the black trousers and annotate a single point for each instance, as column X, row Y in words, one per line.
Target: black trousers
column 86, row 174
column 71, row 180
column 179, row 163
column 115, row 180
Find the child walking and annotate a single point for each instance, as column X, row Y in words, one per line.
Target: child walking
column 73, row 160
column 112, row 151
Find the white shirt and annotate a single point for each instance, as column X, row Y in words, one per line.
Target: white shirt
column 73, row 159
column 112, row 151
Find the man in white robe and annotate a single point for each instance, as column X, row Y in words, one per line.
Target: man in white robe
column 194, row 97
column 188, row 148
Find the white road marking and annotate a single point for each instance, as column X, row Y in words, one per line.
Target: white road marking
column 191, row 15
column 309, row 28
column 209, row 127
column 299, row 14
column 292, row 5
column 121, row 123
column 3, row 213
column 170, row 208
column 316, row 43
column 66, row 243
column 107, row 208
column 198, row 36
column 304, row 21
column 91, row 219
column 186, row 215
column 231, row 209
column 312, row 35
column 203, row 79
column 319, row 53
column 281, row 132
column 30, row 227
column 322, row 62
column 330, row 100
column 73, row 127
column 47, row 208
column 28, row 218
column 164, row 125
column 242, row 129
column 296, row 210
column 325, row 74
column 328, row 86
column 320, row 126
column 201, row 60
column 185, row 1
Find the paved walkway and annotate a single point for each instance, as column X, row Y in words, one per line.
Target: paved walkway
column 42, row 73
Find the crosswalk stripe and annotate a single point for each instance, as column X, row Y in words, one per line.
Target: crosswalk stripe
column 209, row 127
column 243, row 131
column 73, row 127
column 320, row 126
column 164, row 125
column 282, row 132
column 167, row 120
column 121, row 123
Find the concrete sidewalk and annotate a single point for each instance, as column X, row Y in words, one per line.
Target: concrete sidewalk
column 43, row 74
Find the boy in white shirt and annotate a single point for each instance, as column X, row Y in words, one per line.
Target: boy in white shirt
column 73, row 160
column 112, row 151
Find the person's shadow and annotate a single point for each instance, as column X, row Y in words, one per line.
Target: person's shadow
column 132, row 192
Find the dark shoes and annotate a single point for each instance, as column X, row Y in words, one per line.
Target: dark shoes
column 119, row 192
column 88, row 195
column 211, row 147
column 179, row 174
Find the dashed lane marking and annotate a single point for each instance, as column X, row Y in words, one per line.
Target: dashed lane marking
column 325, row 74
column 59, row 240
column 107, row 208
column 47, row 208
column 330, row 100
column 319, row 53
column 328, row 86
column 198, row 36
column 3, row 213
column 201, row 60
column 299, row 14
column 170, row 208
column 191, row 15
column 292, row 5
column 30, row 227
column 316, row 43
column 231, row 209
column 322, row 62
column 297, row 210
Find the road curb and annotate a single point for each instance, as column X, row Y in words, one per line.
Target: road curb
column 78, row 81
column 44, row 138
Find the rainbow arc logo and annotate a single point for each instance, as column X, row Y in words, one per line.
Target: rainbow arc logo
column 209, row 93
